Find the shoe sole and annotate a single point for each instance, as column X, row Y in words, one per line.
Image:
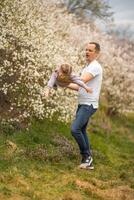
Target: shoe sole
column 86, row 167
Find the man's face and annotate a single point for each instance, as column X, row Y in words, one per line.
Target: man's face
column 91, row 53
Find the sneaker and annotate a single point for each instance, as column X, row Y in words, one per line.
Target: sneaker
column 87, row 164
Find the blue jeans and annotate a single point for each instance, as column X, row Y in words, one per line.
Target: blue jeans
column 78, row 129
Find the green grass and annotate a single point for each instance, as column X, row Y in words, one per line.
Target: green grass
column 42, row 163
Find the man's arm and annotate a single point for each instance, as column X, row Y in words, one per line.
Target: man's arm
column 77, row 80
column 86, row 77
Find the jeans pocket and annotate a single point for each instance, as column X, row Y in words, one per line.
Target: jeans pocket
column 90, row 109
column 93, row 109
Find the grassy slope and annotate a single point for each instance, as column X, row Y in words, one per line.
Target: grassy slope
column 41, row 164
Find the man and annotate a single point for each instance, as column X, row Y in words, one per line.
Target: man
column 87, row 102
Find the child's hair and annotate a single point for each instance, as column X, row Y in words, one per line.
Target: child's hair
column 66, row 69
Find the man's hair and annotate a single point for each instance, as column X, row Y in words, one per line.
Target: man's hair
column 66, row 69
column 97, row 46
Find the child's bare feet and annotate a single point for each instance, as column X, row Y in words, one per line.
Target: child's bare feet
column 46, row 93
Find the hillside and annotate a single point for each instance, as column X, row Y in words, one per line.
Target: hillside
column 42, row 163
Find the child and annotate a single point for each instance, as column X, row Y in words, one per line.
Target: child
column 63, row 76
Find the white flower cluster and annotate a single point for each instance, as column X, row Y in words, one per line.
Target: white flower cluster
column 36, row 36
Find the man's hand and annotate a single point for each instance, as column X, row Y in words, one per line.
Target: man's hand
column 89, row 90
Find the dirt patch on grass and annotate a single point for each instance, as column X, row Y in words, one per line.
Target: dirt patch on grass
column 72, row 196
column 18, row 197
column 118, row 193
column 13, row 197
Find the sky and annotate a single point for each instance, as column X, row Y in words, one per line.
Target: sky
column 123, row 12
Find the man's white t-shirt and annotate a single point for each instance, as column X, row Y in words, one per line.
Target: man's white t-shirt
column 95, row 69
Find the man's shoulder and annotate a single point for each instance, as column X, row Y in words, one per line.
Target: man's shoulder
column 93, row 68
column 94, row 65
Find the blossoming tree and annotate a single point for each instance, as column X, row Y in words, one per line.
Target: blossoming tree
column 36, row 36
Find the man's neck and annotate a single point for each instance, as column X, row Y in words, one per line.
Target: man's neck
column 88, row 62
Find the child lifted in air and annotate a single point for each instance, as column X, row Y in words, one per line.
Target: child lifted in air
column 63, row 76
